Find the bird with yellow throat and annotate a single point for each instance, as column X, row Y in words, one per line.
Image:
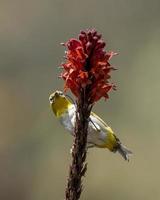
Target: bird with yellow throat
column 99, row 133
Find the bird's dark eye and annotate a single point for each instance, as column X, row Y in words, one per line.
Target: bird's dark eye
column 51, row 98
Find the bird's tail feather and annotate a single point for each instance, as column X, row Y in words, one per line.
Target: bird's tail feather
column 124, row 151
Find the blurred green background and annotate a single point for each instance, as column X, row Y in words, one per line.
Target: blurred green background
column 34, row 148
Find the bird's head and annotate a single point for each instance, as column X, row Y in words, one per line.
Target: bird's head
column 59, row 103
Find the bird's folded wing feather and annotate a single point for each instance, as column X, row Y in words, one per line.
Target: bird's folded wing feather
column 98, row 120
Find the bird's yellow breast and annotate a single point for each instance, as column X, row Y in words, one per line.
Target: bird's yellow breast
column 60, row 106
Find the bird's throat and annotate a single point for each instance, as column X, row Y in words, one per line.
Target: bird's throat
column 60, row 106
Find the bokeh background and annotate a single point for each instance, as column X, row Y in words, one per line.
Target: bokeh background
column 34, row 148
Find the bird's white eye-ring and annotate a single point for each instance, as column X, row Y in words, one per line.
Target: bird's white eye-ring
column 51, row 98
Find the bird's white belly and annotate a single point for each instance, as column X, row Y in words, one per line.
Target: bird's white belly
column 67, row 120
column 94, row 136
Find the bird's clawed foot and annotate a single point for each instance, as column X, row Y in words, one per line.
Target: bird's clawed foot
column 71, row 149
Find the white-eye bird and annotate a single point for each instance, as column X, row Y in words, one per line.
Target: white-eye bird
column 99, row 133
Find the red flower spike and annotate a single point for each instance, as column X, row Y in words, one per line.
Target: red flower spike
column 87, row 66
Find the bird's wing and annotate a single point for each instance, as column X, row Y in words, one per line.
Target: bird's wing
column 98, row 120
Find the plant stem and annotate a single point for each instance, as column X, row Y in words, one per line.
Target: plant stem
column 78, row 166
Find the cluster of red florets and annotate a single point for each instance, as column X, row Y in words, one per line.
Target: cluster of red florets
column 87, row 64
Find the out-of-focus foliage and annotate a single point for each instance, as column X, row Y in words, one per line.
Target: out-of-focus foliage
column 34, row 148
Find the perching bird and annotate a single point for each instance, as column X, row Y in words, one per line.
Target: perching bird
column 99, row 133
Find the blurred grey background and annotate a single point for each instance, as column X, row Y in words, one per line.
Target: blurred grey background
column 34, row 148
